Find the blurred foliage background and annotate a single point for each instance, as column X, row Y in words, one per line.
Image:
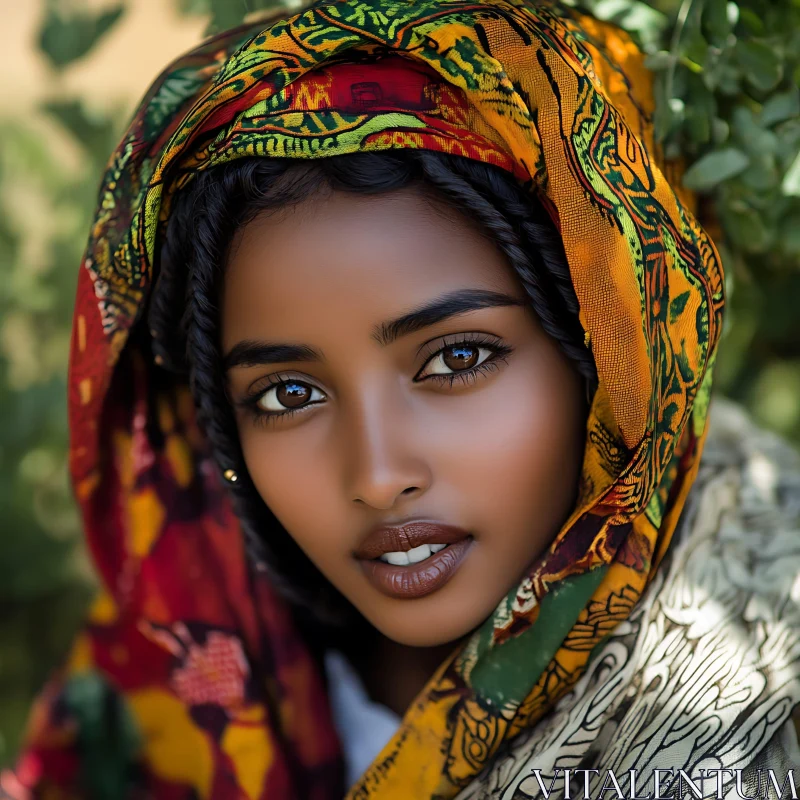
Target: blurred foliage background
column 727, row 77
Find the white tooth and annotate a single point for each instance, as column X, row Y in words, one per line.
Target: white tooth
column 398, row 558
column 420, row 553
column 435, row 548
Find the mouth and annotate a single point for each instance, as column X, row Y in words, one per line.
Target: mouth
column 413, row 560
column 402, row 558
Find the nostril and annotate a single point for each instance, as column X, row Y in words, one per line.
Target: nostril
column 410, row 490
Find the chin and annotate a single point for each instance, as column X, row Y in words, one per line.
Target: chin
column 425, row 625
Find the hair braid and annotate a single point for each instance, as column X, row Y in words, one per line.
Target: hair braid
column 184, row 312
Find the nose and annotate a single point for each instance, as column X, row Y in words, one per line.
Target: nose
column 383, row 463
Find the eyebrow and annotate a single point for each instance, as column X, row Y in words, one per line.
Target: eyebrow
column 249, row 353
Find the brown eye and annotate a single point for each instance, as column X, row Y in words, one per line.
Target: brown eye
column 458, row 357
column 288, row 394
column 293, row 394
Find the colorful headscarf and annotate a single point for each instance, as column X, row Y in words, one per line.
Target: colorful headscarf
column 189, row 680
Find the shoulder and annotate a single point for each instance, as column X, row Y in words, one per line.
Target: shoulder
column 727, row 604
column 716, row 659
column 762, row 466
column 743, row 517
column 733, row 580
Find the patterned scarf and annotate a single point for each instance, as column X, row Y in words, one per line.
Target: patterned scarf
column 188, row 680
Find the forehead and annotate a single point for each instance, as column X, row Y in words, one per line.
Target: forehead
column 346, row 258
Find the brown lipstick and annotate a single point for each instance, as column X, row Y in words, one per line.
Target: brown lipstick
column 425, row 555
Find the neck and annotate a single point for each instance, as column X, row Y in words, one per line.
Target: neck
column 394, row 674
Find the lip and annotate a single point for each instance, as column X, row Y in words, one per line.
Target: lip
column 422, row 578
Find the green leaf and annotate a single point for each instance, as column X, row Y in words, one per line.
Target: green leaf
column 720, row 130
column 762, row 174
column 698, row 126
column 95, row 133
column 788, row 134
column 701, row 108
column 754, row 138
column 751, row 21
column 791, row 181
column 728, row 79
column 715, row 167
column 664, row 120
column 790, row 234
column 716, row 21
column 695, row 49
column 747, row 228
column 761, row 65
column 67, row 35
column 781, row 106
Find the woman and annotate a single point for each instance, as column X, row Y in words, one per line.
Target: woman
column 411, row 280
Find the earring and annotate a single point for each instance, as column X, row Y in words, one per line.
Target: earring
column 230, row 475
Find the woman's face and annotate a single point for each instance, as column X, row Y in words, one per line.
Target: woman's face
column 387, row 372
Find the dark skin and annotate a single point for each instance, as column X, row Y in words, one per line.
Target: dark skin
column 393, row 673
column 386, row 431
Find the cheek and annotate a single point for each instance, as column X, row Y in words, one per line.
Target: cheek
column 516, row 452
column 521, row 434
column 296, row 479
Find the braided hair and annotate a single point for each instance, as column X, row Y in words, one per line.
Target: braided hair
column 184, row 315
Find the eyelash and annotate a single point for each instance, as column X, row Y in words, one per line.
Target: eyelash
column 500, row 353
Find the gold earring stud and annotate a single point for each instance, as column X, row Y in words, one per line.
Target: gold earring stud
column 230, row 475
